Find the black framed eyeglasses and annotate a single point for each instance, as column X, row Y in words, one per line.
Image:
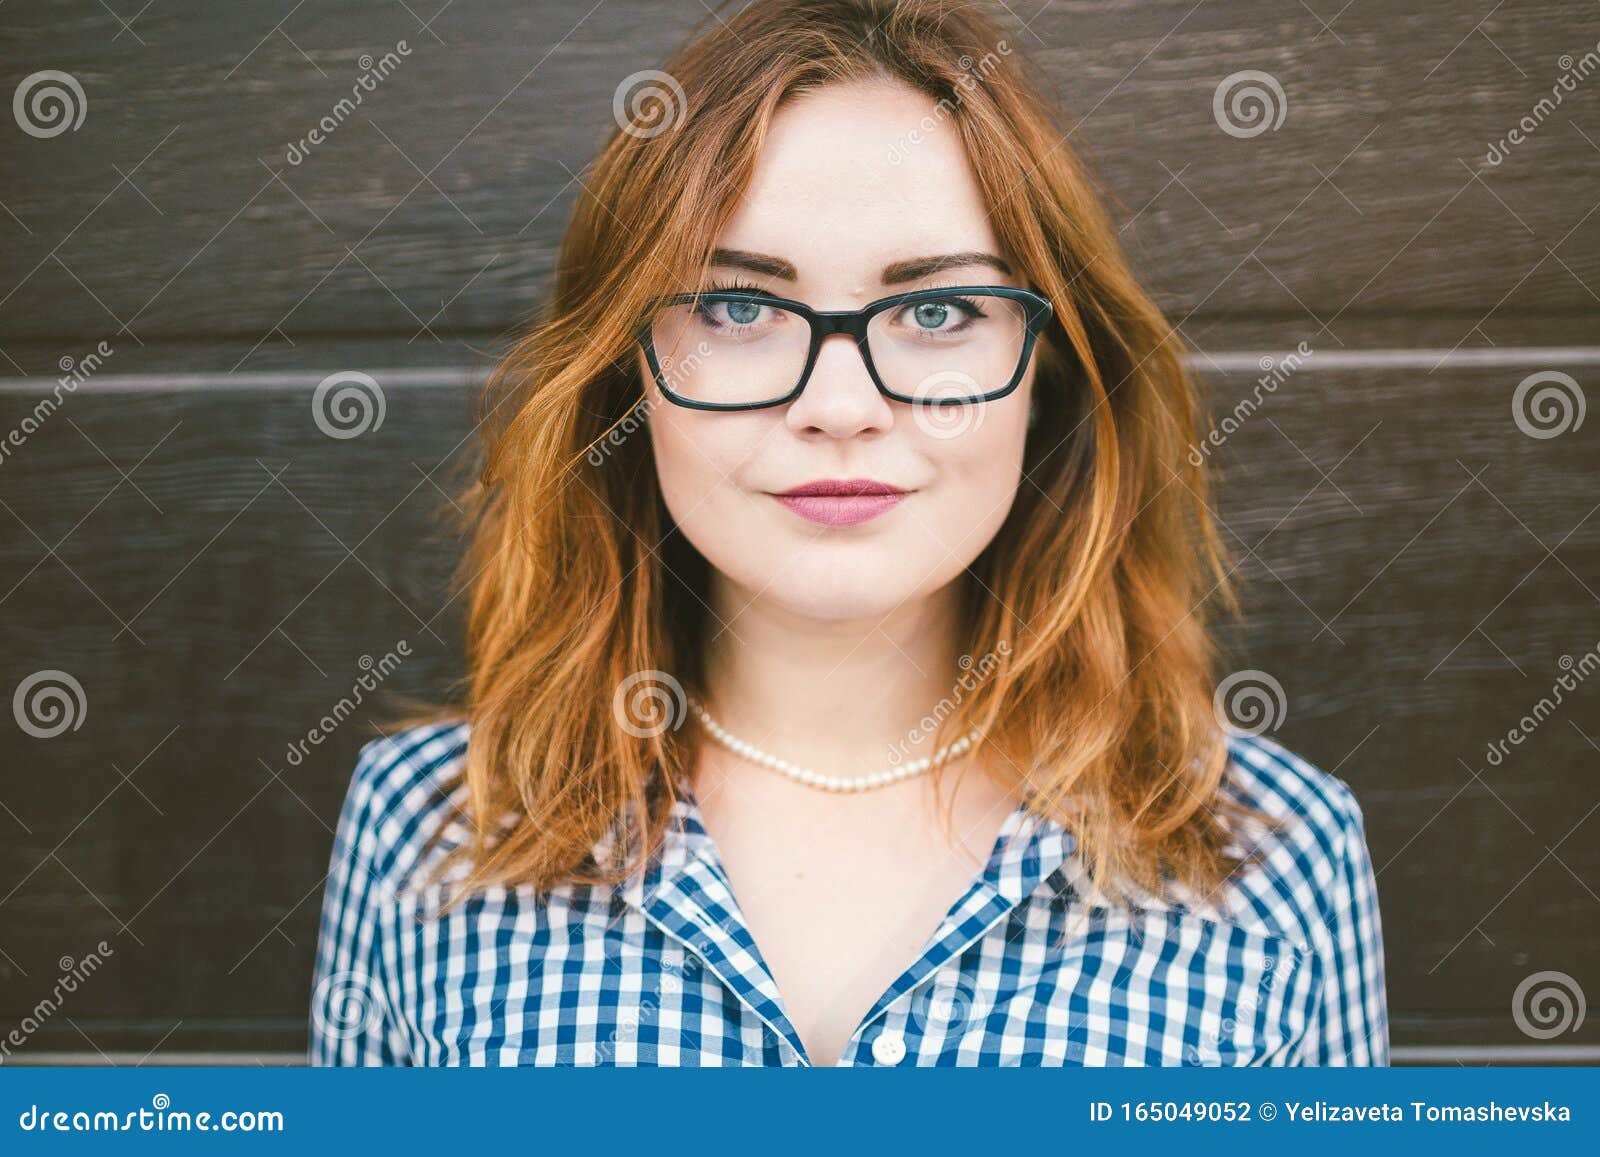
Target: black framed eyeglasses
column 746, row 350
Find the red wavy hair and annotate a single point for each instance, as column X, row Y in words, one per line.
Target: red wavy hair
column 1098, row 584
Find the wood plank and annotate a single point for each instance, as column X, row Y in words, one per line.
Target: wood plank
column 435, row 208
column 212, row 569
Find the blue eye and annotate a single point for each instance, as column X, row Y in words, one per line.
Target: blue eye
column 743, row 312
column 943, row 316
column 738, row 313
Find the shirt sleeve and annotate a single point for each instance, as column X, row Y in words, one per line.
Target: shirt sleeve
column 352, row 1017
column 1350, row 1024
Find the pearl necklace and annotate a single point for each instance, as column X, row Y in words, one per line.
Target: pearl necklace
column 828, row 782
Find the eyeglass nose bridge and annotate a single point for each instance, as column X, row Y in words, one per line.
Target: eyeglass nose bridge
column 850, row 322
column 827, row 322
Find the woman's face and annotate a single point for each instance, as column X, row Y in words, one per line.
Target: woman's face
column 853, row 181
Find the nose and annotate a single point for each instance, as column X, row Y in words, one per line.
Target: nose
column 840, row 399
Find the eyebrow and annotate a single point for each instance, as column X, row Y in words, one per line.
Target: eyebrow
column 895, row 273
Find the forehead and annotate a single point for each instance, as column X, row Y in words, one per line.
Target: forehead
column 853, row 176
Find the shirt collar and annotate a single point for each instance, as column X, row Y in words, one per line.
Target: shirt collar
column 685, row 891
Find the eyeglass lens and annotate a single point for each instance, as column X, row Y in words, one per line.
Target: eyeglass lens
column 728, row 349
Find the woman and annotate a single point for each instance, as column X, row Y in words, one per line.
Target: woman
column 840, row 688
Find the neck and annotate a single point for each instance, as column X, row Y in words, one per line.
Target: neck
column 848, row 696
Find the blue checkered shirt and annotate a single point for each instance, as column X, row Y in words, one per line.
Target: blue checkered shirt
column 1026, row 968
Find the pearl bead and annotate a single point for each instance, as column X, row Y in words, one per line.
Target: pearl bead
column 810, row 778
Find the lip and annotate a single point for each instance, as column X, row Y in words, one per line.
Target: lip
column 842, row 501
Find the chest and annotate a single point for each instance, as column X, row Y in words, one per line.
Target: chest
column 578, row 981
column 836, row 907
column 841, row 900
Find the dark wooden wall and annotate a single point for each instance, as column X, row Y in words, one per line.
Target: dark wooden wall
column 181, row 538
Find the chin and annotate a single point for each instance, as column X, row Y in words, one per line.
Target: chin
column 836, row 601
column 840, row 582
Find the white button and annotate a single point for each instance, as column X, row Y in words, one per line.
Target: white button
column 889, row 1048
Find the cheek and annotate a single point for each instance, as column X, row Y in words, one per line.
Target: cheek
column 979, row 471
column 679, row 470
column 687, row 464
column 684, row 445
column 699, row 461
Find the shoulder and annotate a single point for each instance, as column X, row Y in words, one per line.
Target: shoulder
column 1313, row 831
column 405, row 788
column 1317, row 810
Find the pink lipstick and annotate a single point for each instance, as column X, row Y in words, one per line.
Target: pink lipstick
column 841, row 501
